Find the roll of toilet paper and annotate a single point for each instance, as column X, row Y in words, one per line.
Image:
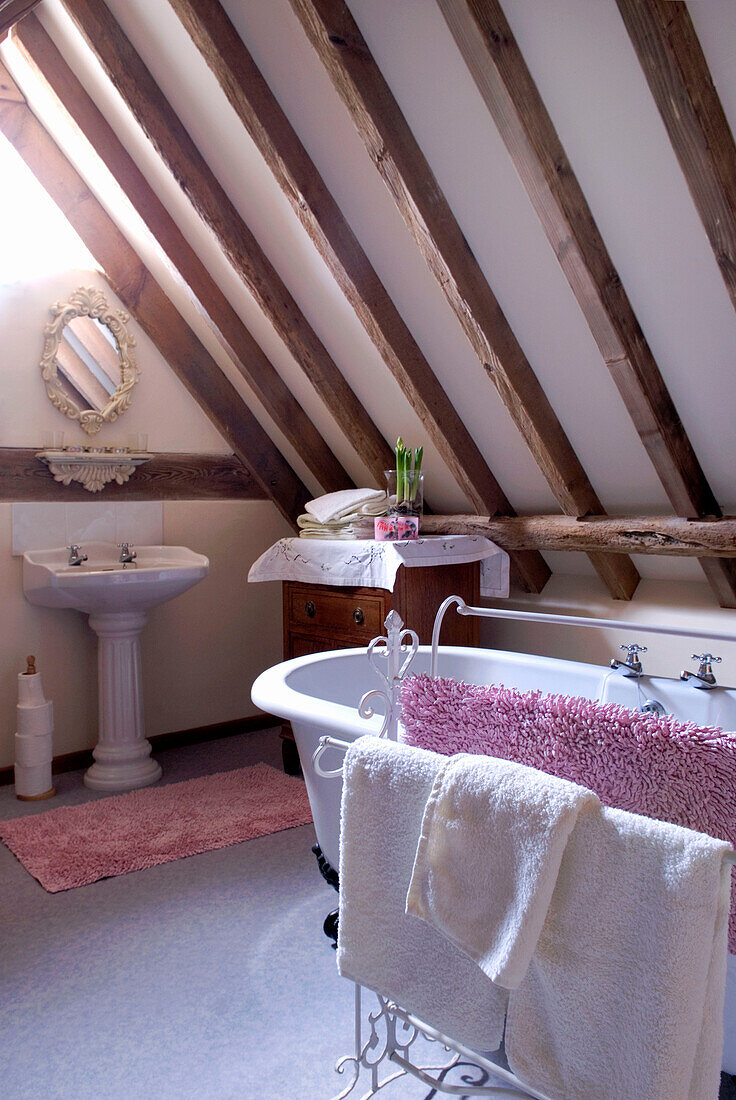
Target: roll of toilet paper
column 33, row 781
column 30, row 689
column 36, row 720
column 31, row 750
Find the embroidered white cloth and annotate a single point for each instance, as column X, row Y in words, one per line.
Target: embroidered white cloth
column 373, row 564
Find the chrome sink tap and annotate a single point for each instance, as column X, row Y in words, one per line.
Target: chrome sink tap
column 126, row 554
column 703, row 678
column 631, row 667
column 75, row 557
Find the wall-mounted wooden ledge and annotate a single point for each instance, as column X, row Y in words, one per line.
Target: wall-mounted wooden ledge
column 164, row 477
column 699, row 538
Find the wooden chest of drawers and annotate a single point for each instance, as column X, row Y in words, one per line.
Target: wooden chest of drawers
column 320, row 617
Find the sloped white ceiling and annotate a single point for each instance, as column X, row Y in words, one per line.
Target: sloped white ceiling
column 580, row 56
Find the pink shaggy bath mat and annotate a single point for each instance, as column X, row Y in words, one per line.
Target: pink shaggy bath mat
column 657, row 766
column 76, row 845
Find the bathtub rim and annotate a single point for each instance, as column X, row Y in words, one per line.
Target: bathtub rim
column 273, row 694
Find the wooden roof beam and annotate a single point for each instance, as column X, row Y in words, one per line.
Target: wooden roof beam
column 671, row 56
column 11, row 11
column 497, row 66
column 307, row 193
column 258, row 110
column 143, row 297
column 50, row 68
column 664, row 535
column 165, row 476
column 169, row 137
column 405, row 171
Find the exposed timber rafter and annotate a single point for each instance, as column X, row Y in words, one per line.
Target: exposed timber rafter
column 672, row 58
column 714, row 539
column 171, row 140
column 497, row 66
column 147, row 302
column 258, row 110
column 405, row 171
column 50, row 68
column 11, row 11
column 307, row 193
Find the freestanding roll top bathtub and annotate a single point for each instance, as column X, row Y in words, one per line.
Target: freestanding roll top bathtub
column 319, row 694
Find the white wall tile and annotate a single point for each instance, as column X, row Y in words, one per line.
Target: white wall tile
column 45, row 526
column 38, row 526
column 93, row 522
column 140, row 522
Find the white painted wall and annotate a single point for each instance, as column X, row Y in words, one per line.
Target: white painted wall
column 200, row 653
column 160, row 406
column 657, row 603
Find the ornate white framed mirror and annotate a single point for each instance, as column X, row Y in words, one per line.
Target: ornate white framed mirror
column 88, row 364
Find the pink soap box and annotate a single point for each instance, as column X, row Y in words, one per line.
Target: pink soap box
column 395, row 528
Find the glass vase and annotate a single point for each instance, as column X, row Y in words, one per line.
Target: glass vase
column 405, row 501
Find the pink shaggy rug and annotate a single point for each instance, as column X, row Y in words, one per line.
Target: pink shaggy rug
column 76, row 845
column 657, row 766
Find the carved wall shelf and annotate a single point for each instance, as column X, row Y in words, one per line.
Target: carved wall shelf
column 93, row 470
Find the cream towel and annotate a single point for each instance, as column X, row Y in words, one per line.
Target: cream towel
column 345, row 534
column 623, row 999
column 335, row 506
column 385, row 789
column 492, row 839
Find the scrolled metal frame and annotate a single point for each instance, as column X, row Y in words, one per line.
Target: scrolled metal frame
column 89, row 302
column 398, row 649
column 385, row 1056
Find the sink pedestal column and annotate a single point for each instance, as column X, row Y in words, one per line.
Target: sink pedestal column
column 122, row 754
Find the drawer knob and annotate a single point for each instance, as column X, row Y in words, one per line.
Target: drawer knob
column 310, row 609
column 358, row 616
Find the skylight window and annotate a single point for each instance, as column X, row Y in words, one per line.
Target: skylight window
column 36, row 240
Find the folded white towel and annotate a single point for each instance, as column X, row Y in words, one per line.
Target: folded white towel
column 623, row 999
column 334, row 506
column 385, row 789
column 492, row 839
column 344, row 534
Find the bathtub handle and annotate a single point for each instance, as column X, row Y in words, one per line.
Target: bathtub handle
column 326, row 742
column 359, row 616
column 310, row 609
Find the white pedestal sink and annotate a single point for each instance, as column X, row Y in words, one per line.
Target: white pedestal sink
column 117, row 598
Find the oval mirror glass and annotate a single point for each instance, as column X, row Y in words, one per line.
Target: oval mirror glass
column 88, row 363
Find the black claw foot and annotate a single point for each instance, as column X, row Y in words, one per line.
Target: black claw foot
column 330, row 927
column 328, row 872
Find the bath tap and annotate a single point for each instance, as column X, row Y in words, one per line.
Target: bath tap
column 631, row 667
column 126, row 554
column 703, row 678
column 75, row 558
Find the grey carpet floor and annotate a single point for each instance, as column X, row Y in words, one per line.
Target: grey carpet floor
column 205, row 978
column 208, row 977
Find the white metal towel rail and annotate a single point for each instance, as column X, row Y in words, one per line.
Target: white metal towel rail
column 564, row 620
column 402, row 1029
column 327, row 742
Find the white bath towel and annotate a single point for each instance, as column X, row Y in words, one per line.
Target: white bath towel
column 345, row 532
column 335, row 506
column 385, row 788
column 623, row 999
column 492, row 839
